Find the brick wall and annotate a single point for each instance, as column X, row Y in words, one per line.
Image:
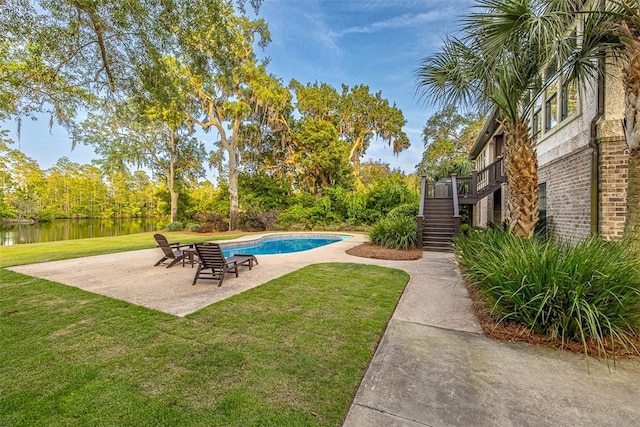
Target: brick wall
column 614, row 172
column 568, row 182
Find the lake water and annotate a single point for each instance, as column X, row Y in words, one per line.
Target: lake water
column 70, row 229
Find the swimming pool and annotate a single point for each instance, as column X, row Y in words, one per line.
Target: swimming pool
column 272, row 245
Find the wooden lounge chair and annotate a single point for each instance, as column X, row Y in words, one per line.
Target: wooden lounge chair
column 211, row 258
column 172, row 251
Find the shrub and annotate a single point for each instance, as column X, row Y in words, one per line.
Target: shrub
column 399, row 232
column 258, row 221
column 210, row 222
column 465, row 229
column 295, row 217
column 262, row 192
column 322, row 213
column 208, row 200
column 389, row 193
column 175, row 226
column 586, row 293
column 406, row 210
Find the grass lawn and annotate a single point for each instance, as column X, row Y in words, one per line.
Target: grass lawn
column 288, row 353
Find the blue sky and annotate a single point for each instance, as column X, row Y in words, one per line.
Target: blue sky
column 378, row 43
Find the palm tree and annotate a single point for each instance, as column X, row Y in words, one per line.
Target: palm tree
column 474, row 72
column 610, row 31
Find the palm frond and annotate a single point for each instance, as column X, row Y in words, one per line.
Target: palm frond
column 509, row 25
column 447, row 78
column 599, row 38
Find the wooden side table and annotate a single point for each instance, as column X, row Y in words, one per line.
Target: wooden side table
column 191, row 254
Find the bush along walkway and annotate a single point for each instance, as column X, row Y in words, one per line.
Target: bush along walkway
column 583, row 296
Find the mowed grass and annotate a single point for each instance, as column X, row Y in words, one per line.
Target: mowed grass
column 55, row 251
column 288, row 353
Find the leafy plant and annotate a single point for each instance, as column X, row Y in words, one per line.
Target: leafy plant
column 258, row 221
column 406, row 210
column 261, row 192
column 175, row 226
column 587, row 292
column 211, row 222
column 389, row 193
column 398, row 232
column 295, row 217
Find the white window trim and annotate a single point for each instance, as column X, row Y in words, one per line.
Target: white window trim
column 545, row 132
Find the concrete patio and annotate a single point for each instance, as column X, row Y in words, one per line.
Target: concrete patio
column 131, row 276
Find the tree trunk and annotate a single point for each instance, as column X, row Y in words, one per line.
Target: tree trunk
column 233, row 189
column 521, row 164
column 174, row 205
column 171, row 180
column 173, row 194
column 632, row 134
column 355, row 158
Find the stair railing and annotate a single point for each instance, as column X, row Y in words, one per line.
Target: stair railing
column 456, row 206
column 423, row 195
column 423, row 200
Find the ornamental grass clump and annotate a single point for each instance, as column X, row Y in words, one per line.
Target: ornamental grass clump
column 397, row 232
column 175, row 226
column 587, row 292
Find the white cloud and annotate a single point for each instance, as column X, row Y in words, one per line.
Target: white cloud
column 408, row 20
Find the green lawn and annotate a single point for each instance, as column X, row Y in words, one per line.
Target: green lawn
column 288, row 353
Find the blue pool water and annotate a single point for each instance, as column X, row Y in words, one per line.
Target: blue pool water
column 279, row 245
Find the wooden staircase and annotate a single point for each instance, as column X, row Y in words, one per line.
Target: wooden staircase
column 438, row 229
column 439, row 217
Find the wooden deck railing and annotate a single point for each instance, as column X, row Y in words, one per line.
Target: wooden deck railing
column 491, row 175
column 468, row 190
column 438, row 190
column 420, row 218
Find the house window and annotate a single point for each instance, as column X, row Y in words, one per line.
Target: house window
column 481, row 160
column 551, row 112
column 536, row 128
column 481, row 163
column 542, row 200
column 557, row 100
column 569, row 99
column 551, row 97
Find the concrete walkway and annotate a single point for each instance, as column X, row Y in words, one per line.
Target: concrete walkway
column 433, row 366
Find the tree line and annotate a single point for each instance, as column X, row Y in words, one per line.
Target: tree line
column 73, row 190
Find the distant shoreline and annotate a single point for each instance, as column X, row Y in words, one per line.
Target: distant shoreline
column 18, row 221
